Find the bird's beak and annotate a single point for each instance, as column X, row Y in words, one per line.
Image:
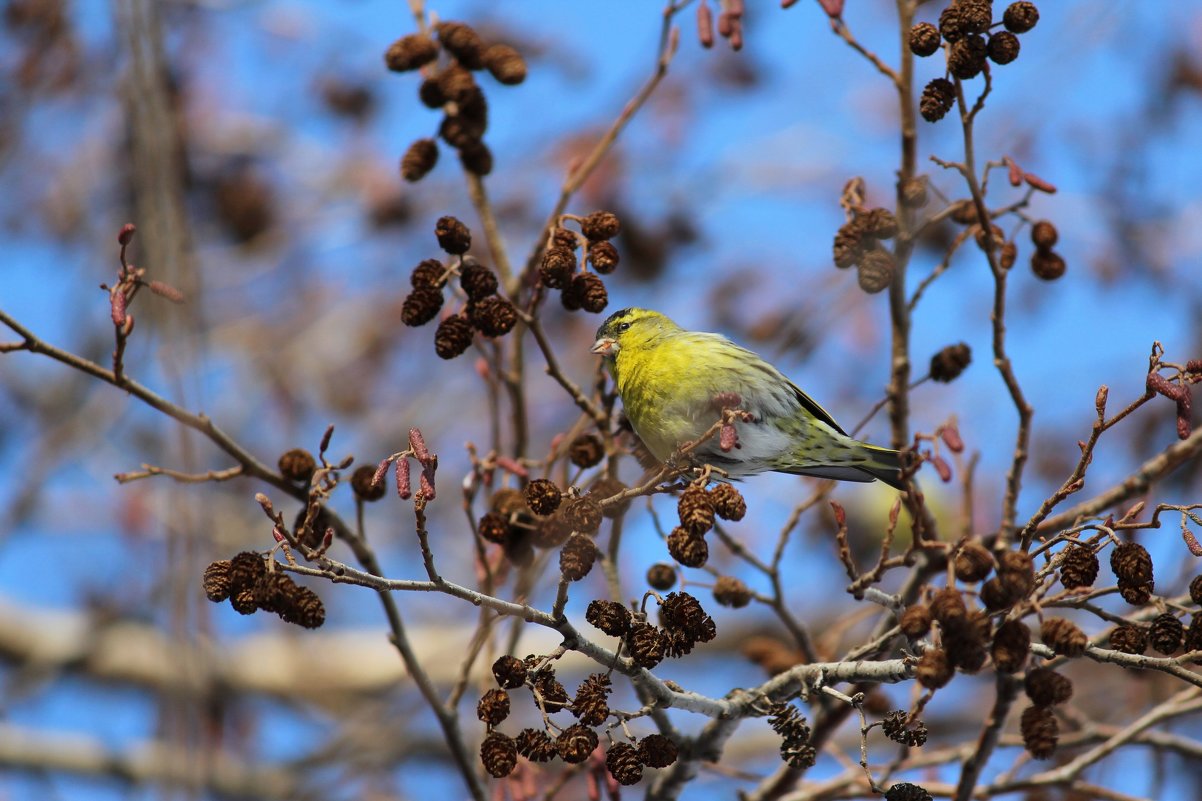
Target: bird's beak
column 605, row 346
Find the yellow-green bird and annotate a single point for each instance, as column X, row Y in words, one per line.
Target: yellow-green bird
column 674, row 382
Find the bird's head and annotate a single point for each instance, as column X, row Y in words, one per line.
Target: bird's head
column 631, row 329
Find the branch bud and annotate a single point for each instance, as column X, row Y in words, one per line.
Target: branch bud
column 512, row 466
column 126, row 234
column 1099, row 400
column 1133, row 512
column 833, row 8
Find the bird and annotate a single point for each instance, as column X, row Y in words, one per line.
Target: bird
column 675, row 383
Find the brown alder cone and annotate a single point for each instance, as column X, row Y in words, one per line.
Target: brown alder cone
column 1063, row 636
column 934, row 670
column 1040, row 731
column 916, row 621
column 499, row 754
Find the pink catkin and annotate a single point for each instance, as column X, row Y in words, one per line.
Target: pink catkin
column 418, row 444
column 942, row 468
column 726, row 24
column 736, row 36
column 167, row 291
column 728, row 438
column 403, row 487
column 117, row 303
column 378, row 476
column 1035, row 182
column 426, row 484
column 1159, row 384
column 1016, row 174
column 1184, row 413
column 951, row 438
column 1191, row 542
column 705, row 24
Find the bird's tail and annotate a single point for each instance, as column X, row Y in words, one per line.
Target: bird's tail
column 883, row 463
column 851, row 460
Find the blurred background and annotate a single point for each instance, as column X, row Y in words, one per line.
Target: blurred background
column 288, row 227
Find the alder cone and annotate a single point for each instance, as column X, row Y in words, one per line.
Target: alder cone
column 657, row 751
column 493, row 707
column 576, row 558
column 1166, row 633
column 1011, row 645
column 934, row 670
column 1078, row 566
column 509, row 671
column 543, row 496
column 1131, row 563
column 973, row 562
column 647, row 645
column 905, row 791
column 1063, row 636
column 610, row 617
column 1129, row 639
column 499, row 754
column 916, row 621
column 1040, row 731
column 1046, row 687
column 575, row 743
column 536, row 745
column 623, row 763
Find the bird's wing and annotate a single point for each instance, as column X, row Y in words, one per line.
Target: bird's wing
column 811, row 406
column 755, row 361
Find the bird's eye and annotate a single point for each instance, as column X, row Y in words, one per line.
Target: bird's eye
column 623, row 327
